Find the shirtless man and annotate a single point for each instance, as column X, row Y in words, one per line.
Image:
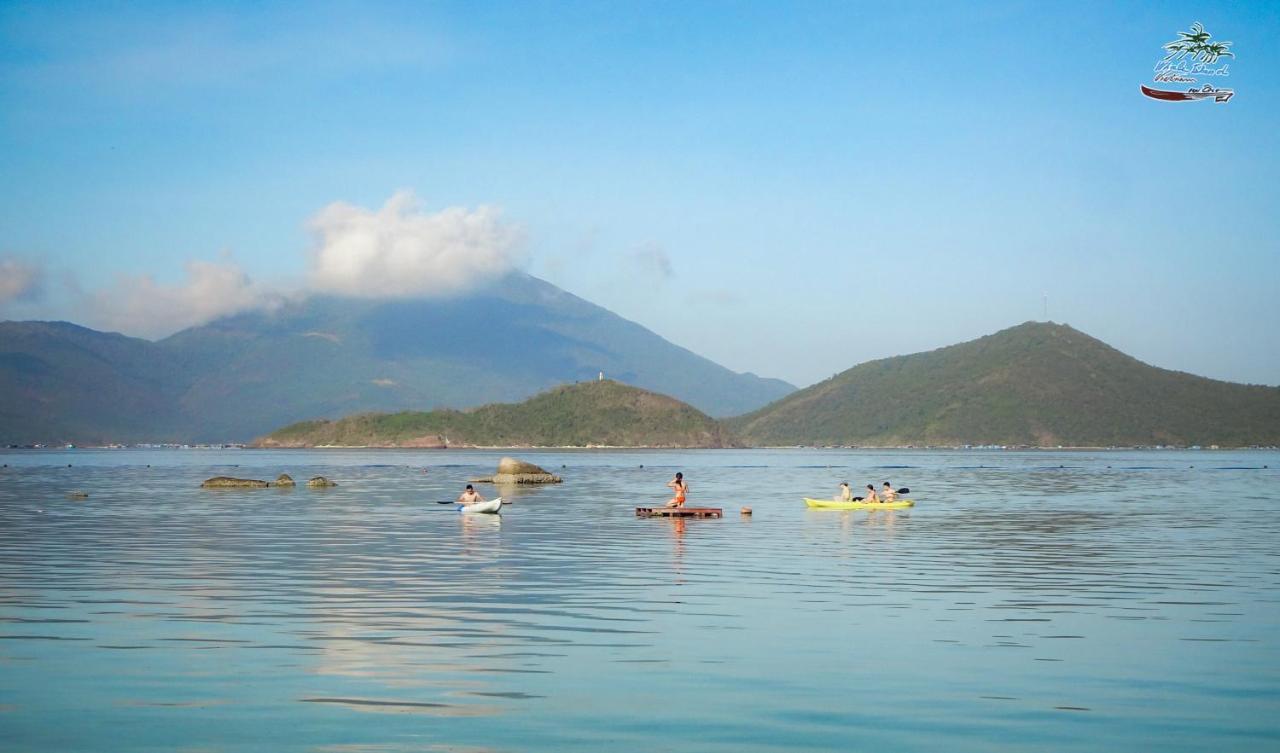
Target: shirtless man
column 888, row 494
column 470, row 496
column 680, row 488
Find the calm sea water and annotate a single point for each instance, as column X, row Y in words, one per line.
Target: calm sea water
column 1039, row 600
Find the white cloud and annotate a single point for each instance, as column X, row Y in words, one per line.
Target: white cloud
column 399, row 250
column 395, row 251
column 20, row 280
column 141, row 306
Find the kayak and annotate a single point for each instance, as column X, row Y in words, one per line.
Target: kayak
column 489, row 506
column 830, row 504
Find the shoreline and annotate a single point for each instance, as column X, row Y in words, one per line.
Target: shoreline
column 683, row 448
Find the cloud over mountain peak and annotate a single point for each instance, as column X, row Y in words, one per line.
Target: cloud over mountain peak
column 401, row 250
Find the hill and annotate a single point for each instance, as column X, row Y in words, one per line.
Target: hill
column 327, row 356
column 60, row 382
column 602, row 413
column 245, row 375
column 1039, row 384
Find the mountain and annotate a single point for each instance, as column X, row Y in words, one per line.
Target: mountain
column 591, row 413
column 323, row 356
column 1038, row 384
column 60, row 382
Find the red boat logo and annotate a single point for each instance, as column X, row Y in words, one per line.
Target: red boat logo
column 1190, row 95
column 1189, row 57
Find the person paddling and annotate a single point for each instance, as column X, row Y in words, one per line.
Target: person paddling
column 680, row 488
column 888, row 494
column 470, row 496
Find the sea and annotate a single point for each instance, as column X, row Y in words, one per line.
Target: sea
column 1031, row 600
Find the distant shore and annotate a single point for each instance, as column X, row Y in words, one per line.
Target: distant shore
column 871, row 448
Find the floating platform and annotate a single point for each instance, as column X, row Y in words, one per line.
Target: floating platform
column 679, row 512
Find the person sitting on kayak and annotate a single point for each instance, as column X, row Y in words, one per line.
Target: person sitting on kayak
column 846, row 495
column 470, row 496
column 681, row 489
column 871, row 494
column 888, row 494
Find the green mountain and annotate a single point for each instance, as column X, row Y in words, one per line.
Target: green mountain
column 323, row 356
column 1039, row 384
column 604, row 413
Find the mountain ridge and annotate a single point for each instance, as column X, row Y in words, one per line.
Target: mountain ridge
column 243, row 375
column 1037, row 384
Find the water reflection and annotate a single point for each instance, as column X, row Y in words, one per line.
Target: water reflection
column 1020, row 591
column 514, row 493
column 677, row 527
column 476, row 525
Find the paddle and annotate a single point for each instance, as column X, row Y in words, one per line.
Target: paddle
column 903, row 490
column 447, row 502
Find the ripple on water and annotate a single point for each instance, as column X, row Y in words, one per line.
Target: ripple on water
column 569, row 621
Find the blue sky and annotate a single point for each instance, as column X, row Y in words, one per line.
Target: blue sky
column 788, row 189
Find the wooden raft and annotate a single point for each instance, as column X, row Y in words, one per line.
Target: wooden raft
column 679, row 512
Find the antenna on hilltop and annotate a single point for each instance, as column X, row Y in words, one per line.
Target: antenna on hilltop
column 1046, row 306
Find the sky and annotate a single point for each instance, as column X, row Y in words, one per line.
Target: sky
column 785, row 188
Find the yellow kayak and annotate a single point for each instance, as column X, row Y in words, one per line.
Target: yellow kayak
column 829, row 504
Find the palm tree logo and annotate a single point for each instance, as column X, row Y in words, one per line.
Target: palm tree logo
column 1194, row 43
column 1187, row 58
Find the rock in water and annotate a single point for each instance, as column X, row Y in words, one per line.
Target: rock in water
column 284, row 479
column 512, row 471
column 320, row 482
column 227, row 482
column 513, row 466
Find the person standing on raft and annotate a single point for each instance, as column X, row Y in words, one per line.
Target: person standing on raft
column 680, row 488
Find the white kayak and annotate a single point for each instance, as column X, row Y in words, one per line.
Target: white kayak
column 489, row 506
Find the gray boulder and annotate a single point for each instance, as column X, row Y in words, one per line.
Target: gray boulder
column 320, row 482
column 512, row 471
column 227, row 482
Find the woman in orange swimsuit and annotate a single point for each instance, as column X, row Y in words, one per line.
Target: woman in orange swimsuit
column 677, row 485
